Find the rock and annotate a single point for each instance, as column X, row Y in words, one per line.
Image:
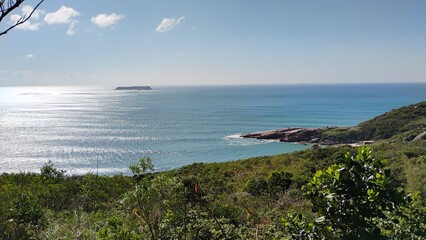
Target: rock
column 305, row 136
column 288, row 134
column 270, row 134
column 328, row 142
column 301, row 135
column 409, row 138
column 421, row 136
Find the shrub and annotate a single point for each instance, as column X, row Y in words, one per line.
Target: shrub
column 353, row 200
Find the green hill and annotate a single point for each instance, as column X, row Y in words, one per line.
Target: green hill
column 408, row 121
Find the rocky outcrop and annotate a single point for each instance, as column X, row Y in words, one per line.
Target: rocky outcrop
column 303, row 135
column 421, row 136
column 306, row 135
column 134, row 88
column 409, row 119
column 409, row 138
column 415, row 137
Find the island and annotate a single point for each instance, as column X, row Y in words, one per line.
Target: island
column 134, row 88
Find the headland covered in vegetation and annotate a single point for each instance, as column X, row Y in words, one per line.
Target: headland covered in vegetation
column 341, row 192
column 408, row 120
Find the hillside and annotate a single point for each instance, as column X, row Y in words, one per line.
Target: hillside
column 404, row 123
column 230, row 200
column 408, row 121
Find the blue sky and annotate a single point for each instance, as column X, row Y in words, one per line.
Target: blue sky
column 192, row 42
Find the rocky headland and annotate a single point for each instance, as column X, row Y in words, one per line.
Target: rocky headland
column 301, row 135
column 406, row 124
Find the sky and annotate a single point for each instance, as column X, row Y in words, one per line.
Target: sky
column 193, row 42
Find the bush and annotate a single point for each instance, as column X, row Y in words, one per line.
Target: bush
column 276, row 183
column 353, row 199
column 279, row 181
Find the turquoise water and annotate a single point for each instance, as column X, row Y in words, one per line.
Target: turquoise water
column 78, row 127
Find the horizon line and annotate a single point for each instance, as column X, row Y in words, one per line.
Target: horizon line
column 218, row 85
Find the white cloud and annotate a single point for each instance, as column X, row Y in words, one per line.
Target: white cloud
column 29, row 25
column 26, row 10
column 64, row 15
column 104, row 20
column 71, row 28
column 28, row 56
column 168, row 24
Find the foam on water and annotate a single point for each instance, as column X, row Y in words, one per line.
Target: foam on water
column 234, row 136
column 236, row 139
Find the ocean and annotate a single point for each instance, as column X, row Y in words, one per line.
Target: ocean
column 96, row 129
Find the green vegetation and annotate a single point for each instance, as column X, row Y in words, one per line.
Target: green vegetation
column 320, row 193
column 407, row 121
column 357, row 199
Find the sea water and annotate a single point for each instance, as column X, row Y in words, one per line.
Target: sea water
column 90, row 129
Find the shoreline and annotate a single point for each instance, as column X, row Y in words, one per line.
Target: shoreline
column 299, row 135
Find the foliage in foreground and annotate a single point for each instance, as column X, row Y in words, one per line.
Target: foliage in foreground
column 358, row 199
column 356, row 196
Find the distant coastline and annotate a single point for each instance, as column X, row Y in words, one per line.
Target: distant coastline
column 134, row 88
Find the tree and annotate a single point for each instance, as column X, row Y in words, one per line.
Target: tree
column 48, row 171
column 153, row 200
column 8, row 7
column 140, row 168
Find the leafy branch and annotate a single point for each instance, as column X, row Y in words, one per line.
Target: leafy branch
column 11, row 6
